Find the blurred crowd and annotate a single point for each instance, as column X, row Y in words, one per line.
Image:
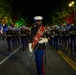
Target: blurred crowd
column 62, row 35
column 57, row 35
column 15, row 36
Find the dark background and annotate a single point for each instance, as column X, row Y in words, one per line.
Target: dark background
column 30, row 8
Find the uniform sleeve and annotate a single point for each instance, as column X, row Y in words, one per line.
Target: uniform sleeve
column 33, row 33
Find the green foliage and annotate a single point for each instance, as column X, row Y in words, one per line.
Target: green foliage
column 5, row 8
column 20, row 22
column 60, row 16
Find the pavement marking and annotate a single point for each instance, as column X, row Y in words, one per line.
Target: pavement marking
column 9, row 55
column 69, row 59
column 70, row 62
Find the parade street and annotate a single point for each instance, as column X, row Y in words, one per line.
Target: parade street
column 19, row 62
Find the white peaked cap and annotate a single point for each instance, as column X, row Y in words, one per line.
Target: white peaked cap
column 23, row 26
column 9, row 27
column 15, row 29
column 55, row 26
column 38, row 18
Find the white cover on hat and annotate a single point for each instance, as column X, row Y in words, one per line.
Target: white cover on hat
column 23, row 26
column 38, row 18
column 15, row 29
column 9, row 27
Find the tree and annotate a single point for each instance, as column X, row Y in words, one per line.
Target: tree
column 5, row 9
column 60, row 17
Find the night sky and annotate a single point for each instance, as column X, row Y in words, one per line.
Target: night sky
column 31, row 8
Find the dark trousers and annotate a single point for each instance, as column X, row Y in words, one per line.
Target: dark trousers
column 39, row 58
column 73, row 44
column 13, row 42
column 24, row 42
column 56, row 43
column 9, row 43
column 51, row 41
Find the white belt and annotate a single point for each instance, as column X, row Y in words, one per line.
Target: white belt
column 8, row 35
column 23, row 34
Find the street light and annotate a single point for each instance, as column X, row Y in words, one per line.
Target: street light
column 72, row 4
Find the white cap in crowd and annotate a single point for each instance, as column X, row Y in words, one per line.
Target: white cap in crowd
column 9, row 27
column 38, row 18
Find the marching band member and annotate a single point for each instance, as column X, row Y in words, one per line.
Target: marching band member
column 23, row 36
column 40, row 47
column 54, row 36
column 9, row 37
column 72, row 37
column 15, row 36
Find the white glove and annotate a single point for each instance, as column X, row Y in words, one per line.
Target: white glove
column 43, row 40
column 30, row 47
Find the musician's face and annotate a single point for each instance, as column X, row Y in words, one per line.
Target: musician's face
column 38, row 22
